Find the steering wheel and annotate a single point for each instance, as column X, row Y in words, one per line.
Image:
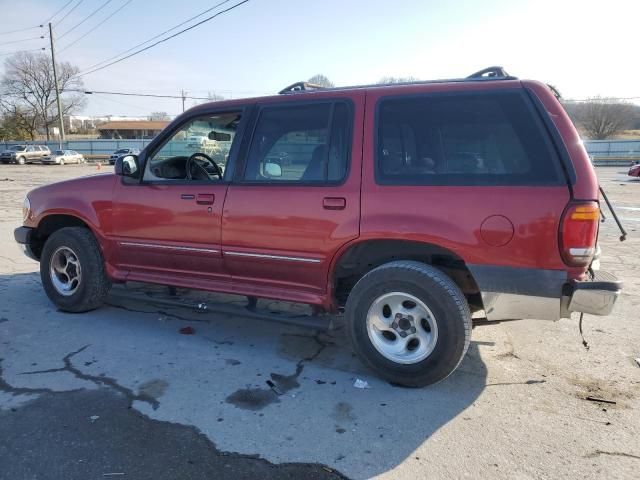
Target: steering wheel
column 191, row 162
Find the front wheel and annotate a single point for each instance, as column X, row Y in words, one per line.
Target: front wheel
column 72, row 270
column 409, row 322
column 21, row 161
column 62, row 161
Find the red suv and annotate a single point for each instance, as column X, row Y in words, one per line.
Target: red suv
column 407, row 207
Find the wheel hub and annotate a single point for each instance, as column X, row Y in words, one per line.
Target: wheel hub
column 65, row 271
column 402, row 328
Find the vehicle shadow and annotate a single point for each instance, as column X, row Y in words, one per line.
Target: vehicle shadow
column 252, row 387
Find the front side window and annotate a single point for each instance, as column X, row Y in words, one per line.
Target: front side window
column 199, row 150
column 468, row 139
column 300, row 144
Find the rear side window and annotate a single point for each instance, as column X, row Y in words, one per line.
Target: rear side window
column 300, row 144
column 466, row 139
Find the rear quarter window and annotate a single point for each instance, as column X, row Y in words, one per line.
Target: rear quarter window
column 491, row 138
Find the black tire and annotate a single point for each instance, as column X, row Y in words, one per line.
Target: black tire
column 94, row 284
column 439, row 293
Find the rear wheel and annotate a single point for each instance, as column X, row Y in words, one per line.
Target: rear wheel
column 408, row 322
column 72, row 270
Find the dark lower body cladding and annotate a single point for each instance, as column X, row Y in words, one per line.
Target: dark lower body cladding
column 513, row 293
column 23, row 237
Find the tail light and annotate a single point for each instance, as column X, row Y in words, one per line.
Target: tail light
column 578, row 233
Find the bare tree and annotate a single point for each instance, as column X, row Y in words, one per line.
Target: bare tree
column 388, row 80
column 17, row 124
column 601, row 118
column 214, row 97
column 321, row 80
column 157, row 116
column 28, row 87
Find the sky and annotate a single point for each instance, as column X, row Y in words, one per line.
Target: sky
column 584, row 48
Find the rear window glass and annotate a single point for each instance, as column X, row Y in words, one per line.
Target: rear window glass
column 467, row 139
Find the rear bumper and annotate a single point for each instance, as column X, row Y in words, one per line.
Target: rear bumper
column 512, row 293
column 22, row 235
column 596, row 296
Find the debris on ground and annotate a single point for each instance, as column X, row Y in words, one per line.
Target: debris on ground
column 362, row 384
column 187, row 330
column 601, row 400
column 637, row 361
column 274, row 387
column 93, row 418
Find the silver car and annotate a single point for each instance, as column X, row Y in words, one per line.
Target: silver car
column 60, row 157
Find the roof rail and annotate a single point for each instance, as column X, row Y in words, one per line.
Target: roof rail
column 300, row 87
column 489, row 73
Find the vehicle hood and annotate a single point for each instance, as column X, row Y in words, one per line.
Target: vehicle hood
column 88, row 198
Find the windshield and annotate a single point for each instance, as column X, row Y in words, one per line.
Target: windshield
column 18, row 148
column 123, row 150
column 59, row 152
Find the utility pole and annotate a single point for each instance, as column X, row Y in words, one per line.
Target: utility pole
column 55, row 81
column 184, row 97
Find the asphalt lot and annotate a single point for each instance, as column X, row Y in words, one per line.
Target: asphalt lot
column 121, row 391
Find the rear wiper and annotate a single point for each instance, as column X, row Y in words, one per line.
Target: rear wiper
column 623, row 237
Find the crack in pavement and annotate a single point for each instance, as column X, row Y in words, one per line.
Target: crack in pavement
column 96, row 379
column 615, row 454
column 5, row 387
column 158, row 312
column 258, row 398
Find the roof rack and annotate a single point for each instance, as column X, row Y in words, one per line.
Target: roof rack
column 490, row 72
column 300, row 87
column 486, row 74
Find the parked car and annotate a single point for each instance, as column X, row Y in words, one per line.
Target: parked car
column 120, row 152
column 408, row 207
column 61, row 157
column 22, row 154
column 634, row 171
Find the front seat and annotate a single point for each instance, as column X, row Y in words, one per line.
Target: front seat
column 316, row 168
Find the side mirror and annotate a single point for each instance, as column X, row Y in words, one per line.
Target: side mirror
column 272, row 170
column 127, row 166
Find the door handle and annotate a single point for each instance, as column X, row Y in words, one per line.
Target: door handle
column 205, row 198
column 334, row 203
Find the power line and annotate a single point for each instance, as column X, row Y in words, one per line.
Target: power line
column 59, row 10
column 95, row 27
column 67, row 14
column 129, row 94
column 18, row 51
column 86, row 18
column 126, row 104
column 158, row 35
column 21, row 30
column 23, row 40
column 167, row 38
